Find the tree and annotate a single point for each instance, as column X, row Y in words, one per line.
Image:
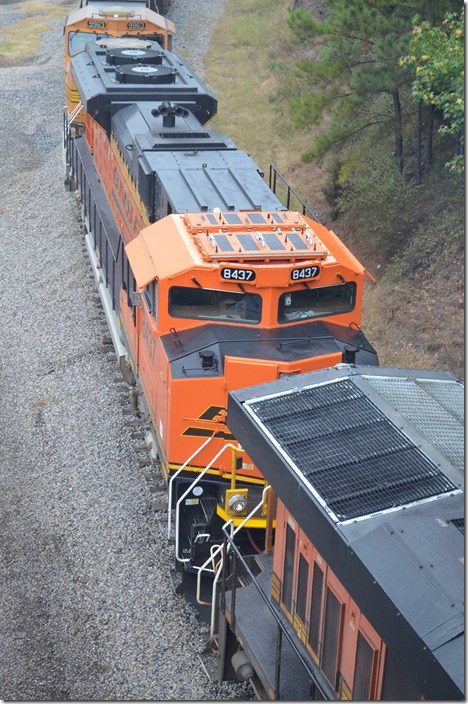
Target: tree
column 364, row 41
column 436, row 57
column 359, row 78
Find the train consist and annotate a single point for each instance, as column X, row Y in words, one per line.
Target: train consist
column 363, row 595
column 209, row 285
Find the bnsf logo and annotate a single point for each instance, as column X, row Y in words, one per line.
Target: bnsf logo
column 148, row 337
column 125, row 206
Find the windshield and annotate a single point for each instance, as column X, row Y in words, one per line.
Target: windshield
column 77, row 41
column 206, row 304
column 316, row 302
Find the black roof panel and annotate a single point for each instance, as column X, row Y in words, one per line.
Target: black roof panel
column 353, row 456
column 351, row 439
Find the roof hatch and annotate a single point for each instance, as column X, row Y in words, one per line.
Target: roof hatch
column 254, row 235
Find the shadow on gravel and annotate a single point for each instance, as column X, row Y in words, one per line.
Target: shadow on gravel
column 5, row 62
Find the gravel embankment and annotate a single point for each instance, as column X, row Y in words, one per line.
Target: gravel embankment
column 87, row 607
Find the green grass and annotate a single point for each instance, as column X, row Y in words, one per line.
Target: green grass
column 239, row 68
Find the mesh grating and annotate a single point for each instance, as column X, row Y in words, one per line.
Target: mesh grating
column 341, row 417
column 450, row 395
column 460, row 524
column 307, row 399
column 435, row 409
column 350, row 452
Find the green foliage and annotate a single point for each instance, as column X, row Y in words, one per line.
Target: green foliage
column 307, row 108
column 378, row 201
column 436, row 56
column 302, row 25
column 359, row 62
column 275, row 65
column 360, row 44
column 327, row 70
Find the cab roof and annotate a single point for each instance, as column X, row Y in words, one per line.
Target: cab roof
column 179, row 243
column 143, row 13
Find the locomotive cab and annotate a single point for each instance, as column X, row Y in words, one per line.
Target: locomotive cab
column 269, row 270
column 224, row 301
column 104, row 22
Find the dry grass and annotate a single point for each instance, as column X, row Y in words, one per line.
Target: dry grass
column 414, row 316
column 415, row 328
column 19, row 42
column 244, row 66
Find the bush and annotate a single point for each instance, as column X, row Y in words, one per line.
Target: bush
column 437, row 245
column 332, row 188
column 379, row 203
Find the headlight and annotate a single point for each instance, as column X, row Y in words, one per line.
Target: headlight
column 237, row 501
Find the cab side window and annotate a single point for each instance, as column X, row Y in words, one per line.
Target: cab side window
column 151, row 299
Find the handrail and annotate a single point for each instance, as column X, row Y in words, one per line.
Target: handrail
column 213, row 555
column 272, row 184
column 233, row 533
column 213, row 597
column 174, row 476
column 279, row 624
column 186, row 492
column 78, row 108
column 68, row 118
column 71, row 115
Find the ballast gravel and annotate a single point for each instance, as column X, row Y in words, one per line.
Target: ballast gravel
column 87, row 605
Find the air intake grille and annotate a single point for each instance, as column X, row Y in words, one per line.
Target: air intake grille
column 435, row 409
column 460, row 524
column 355, row 458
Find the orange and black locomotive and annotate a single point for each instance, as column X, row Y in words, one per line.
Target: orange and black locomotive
column 209, row 284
